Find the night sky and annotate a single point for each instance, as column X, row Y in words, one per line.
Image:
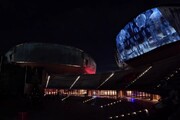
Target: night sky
column 90, row 26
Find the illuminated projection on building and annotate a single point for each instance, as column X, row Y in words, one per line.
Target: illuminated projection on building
column 146, row 32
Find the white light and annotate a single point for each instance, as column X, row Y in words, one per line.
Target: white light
column 47, row 82
column 89, row 99
column 75, row 82
column 122, row 115
column 116, row 116
column 94, row 97
column 134, row 113
column 146, row 110
column 65, row 98
column 110, row 117
column 101, row 106
column 106, row 80
column 139, row 76
column 128, row 114
column 172, row 75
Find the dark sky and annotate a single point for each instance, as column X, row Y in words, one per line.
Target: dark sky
column 90, row 26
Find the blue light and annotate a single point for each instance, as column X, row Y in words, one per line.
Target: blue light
column 132, row 100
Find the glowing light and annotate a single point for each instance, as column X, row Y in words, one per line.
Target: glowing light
column 89, row 70
column 47, row 82
column 65, row 98
column 94, row 96
column 89, row 99
column 134, row 113
column 159, row 85
column 106, row 80
column 146, row 110
column 129, row 93
column 132, row 100
column 139, row 76
column 75, row 82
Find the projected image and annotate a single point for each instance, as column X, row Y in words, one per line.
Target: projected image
column 146, row 32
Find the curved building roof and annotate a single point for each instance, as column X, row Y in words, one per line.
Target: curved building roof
column 53, row 57
column 150, row 30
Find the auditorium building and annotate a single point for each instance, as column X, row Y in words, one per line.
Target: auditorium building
column 146, row 86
